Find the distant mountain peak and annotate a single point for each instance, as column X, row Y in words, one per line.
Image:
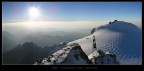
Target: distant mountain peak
column 29, row 44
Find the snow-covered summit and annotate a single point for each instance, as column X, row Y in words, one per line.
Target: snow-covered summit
column 120, row 26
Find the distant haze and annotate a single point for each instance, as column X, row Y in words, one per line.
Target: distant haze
column 45, row 26
column 45, row 33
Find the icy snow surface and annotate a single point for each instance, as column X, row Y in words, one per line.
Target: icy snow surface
column 121, row 38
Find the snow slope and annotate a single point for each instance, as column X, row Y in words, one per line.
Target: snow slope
column 121, row 38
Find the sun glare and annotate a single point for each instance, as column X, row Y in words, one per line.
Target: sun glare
column 34, row 12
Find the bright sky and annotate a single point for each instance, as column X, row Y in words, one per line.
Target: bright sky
column 73, row 11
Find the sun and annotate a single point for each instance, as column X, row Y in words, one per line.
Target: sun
column 34, row 12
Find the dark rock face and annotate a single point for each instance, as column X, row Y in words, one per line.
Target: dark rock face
column 93, row 30
column 78, row 55
column 106, row 58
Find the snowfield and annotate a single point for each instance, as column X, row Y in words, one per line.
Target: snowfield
column 121, row 38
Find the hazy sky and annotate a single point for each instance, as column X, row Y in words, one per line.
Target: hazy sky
column 74, row 10
column 24, row 18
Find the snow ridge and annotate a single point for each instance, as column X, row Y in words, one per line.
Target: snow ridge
column 70, row 54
